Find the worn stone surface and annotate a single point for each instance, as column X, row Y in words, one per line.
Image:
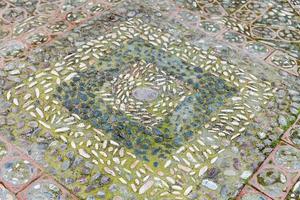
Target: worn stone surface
column 130, row 99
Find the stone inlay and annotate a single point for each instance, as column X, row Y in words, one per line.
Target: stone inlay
column 288, row 157
column 145, row 94
column 253, row 196
column 156, row 94
column 6, row 194
column 17, row 172
column 272, row 181
column 87, row 87
column 44, row 191
column 151, row 99
column 163, row 135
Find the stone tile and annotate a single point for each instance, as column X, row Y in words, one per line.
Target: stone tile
column 286, row 157
column 272, row 181
column 6, row 194
column 292, row 136
column 17, row 172
column 284, row 61
column 294, row 193
column 7, row 149
column 16, row 169
column 249, row 193
column 279, row 172
column 45, row 188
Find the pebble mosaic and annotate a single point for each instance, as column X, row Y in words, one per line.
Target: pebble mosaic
column 129, row 99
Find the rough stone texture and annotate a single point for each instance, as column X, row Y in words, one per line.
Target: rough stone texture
column 156, row 99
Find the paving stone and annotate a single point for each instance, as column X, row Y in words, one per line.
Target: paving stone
column 45, row 188
column 16, row 173
column 249, row 193
column 158, row 99
column 6, row 194
column 292, row 136
column 279, row 172
column 294, row 192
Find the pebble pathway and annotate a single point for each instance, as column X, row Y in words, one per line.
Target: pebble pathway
column 155, row 99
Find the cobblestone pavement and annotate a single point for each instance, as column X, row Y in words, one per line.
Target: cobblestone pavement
column 149, row 99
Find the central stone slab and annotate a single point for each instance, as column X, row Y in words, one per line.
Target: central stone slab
column 145, row 94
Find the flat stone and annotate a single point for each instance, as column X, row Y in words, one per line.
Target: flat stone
column 33, row 124
column 282, row 120
column 294, row 111
column 65, row 165
column 261, row 135
column 145, row 94
column 131, row 13
column 295, row 105
column 209, row 184
column 296, row 98
column 246, row 174
column 281, row 93
column 83, row 153
column 146, row 186
column 101, row 194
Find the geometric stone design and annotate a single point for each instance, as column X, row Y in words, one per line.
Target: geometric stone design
column 275, row 25
column 283, row 61
column 88, row 93
column 72, row 127
column 59, row 104
column 145, row 93
column 9, row 172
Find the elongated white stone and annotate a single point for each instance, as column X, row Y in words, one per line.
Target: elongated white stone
column 83, row 153
column 146, row 186
column 203, row 170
